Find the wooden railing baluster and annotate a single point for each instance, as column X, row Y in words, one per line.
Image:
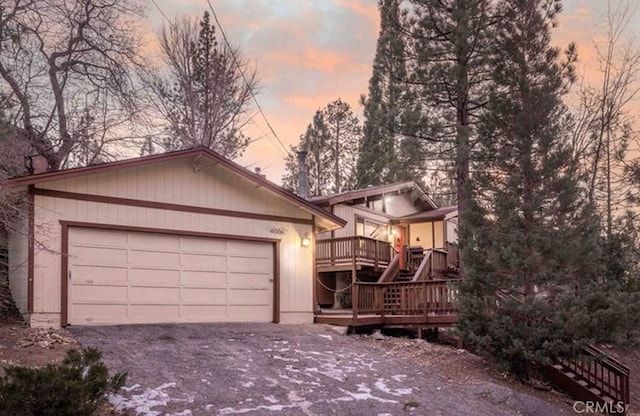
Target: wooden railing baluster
column 343, row 250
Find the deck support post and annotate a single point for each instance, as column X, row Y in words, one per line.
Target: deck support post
column 354, row 283
column 354, row 295
column 425, row 300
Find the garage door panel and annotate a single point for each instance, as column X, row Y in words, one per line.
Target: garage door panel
column 97, row 293
column 154, row 295
column 249, row 281
column 204, row 296
column 90, row 255
column 99, row 274
column 99, row 313
column 112, row 238
column 250, row 264
column 141, row 277
column 154, row 259
column 202, row 245
column 249, row 297
column 204, row 262
column 243, row 247
column 239, row 313
column 150, row 313
column 154, row 278
column 203, row 279
column 164, row 242
column 202, row 313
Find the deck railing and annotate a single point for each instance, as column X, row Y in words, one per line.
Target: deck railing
column 358, row 249
column 392, row 270
column 438, row 262
column 406, row 298
column 453, row 256
column 599, row 370
column 433, row 265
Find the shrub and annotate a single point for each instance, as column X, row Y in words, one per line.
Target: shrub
column 76, row 387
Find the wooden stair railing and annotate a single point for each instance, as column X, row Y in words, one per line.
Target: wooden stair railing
column 593, row 376
column 433, row 266
column 424, row 270
column 407, row 298
column 392, row 271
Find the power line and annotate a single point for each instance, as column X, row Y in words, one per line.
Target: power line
column 235, row 60
column 161, row 11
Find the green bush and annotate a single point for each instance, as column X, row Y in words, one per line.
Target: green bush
column 77, row 386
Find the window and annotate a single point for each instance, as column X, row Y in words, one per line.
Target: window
column 372, row 229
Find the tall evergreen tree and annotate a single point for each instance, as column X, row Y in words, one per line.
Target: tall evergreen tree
column 531, row 286
column 314, row 141
column 448, row 46
column 386, row 155
column 331, row 142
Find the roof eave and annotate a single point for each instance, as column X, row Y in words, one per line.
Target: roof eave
column 333, row 221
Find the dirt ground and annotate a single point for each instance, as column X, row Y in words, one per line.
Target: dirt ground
column 256, row 369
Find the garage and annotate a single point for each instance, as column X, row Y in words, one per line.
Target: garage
column 185, row 236
column 126, row 277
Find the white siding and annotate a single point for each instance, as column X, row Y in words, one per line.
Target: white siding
column 18, row 246
column 177, row 183
column 349, row 213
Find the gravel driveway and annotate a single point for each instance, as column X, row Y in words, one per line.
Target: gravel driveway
column 263, row 369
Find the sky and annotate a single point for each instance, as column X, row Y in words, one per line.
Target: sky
column 311, row 52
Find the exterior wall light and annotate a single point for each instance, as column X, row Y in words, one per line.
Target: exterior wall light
column 306, row 240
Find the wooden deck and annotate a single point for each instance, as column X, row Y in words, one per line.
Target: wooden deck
column 426, row 304
column 405, row 321
column 347, row 253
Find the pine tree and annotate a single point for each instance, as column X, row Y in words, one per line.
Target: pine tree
column 331, row 142
column 314, row 141
column 386, row 155
column 448, row 46
column 531, row 287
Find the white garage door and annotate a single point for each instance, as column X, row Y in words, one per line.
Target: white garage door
column 121, row 277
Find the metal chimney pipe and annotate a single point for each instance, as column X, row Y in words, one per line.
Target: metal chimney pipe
column 303, row 177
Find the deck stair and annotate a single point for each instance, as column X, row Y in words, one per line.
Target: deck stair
column 593, row 376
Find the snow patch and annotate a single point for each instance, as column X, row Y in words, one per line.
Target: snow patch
column 382, row 386
column 145, row 402
column 273, row 408
column 363, row 393
column 285, row 359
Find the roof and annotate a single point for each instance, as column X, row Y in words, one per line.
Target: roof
column 327, row 220
column 436, row 214
column 374, row 191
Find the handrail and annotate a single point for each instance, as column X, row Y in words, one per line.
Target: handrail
column 392, row 270
column 406, row 298
column 453, row 256
column 342, row 250
column 600, row 370
column 423, row 271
